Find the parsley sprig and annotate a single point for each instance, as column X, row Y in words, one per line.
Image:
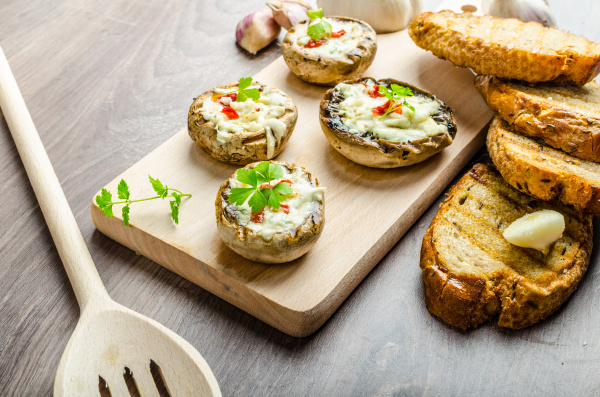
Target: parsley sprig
column 105, row 201
column 321, row 29
column 395, row 95
column 261, row 192
column 243, row 92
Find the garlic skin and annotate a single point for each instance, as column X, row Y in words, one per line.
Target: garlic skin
column 384, row 16
column 291, row 12
column 255, row 31
column 525, row 10
column 537, row 230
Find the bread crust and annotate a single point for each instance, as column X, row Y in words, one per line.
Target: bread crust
column 283, row 247
column 467, row 294
column 329, row 71
column 507, row 47
column 543, row 172
column 561, row 125
column 244, row 148
column 381, row 153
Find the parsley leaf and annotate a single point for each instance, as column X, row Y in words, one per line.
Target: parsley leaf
column 158, row 187
column 105, row 203
column 320, row 30
column 123, row 190
column 261, row 193
column 243, row 92
column 315, row 14
column 125, row 213
column 394, row 94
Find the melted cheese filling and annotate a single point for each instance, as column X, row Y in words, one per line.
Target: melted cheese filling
column 302, row 203
column 337, row 48
column 254, row 116
column 356, row 113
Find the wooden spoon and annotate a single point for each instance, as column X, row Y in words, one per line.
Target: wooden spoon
column 111, row 344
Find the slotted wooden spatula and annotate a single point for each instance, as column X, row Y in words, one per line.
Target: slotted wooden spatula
column 113, row 349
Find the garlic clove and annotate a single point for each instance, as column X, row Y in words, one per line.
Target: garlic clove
column 255, row 31
column 537, row 230
column 384, row 16
column 291, row 12
column 525, row 10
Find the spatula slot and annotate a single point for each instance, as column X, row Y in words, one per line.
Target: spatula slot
column 159, row 380
column 103, row 387
column 130, row 382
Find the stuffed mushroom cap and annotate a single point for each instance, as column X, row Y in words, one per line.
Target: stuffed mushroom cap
column 242, row 132
column 355, row 119
column 273, row 235
column 335, row 59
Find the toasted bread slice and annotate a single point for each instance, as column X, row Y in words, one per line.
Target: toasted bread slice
column 544, row 172
column 471, row 273
column 507, row 48
column 565, row 117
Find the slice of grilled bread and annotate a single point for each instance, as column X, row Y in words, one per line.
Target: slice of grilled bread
column 565, row 117
column 507, row 48
column 471, row 273
column 543, row 172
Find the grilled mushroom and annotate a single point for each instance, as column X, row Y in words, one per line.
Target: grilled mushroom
column 273, row 235
column 242, row 132
column 335, row 59
column 354, row 117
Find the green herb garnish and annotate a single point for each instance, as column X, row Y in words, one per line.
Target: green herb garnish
column 319, row 30
column 262, row 193
column 394, row 94
column 105, row 203
column 243, row 92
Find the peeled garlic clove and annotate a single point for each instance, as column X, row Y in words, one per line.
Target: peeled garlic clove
column 525, row 10
column 289, row 13
column 255, row 31
column 536, row 230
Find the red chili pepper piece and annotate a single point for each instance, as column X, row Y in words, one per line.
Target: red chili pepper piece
column 375, row 93
column 233, row 96
column 364, row 84
column 230, row 113
column 314, row 43
column 285, row 207
column 380, row 110
column 258, row 217
column 338, row 34
column 285, row 180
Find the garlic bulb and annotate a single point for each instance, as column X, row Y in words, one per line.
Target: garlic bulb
column 255, row 31
column 525, row 10
column 383, row 15
column 289, row 13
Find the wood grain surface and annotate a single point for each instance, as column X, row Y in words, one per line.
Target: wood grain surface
column 367, row 209
column 107, row 82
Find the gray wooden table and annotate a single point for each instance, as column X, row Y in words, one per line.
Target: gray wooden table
column 108, row 81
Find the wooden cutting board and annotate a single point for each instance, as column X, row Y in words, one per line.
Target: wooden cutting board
column 367, row 210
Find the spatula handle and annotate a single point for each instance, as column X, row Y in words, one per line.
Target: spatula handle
column 61, row 222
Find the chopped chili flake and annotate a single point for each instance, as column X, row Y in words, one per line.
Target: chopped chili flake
column 257, row 109
column 314, row 43
column 338, row 34
column 230, row 113
column 365, row 84
column 380, row 110
column 285, row 180
column 258, row 217
column 285, row 208
column 375, row 93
